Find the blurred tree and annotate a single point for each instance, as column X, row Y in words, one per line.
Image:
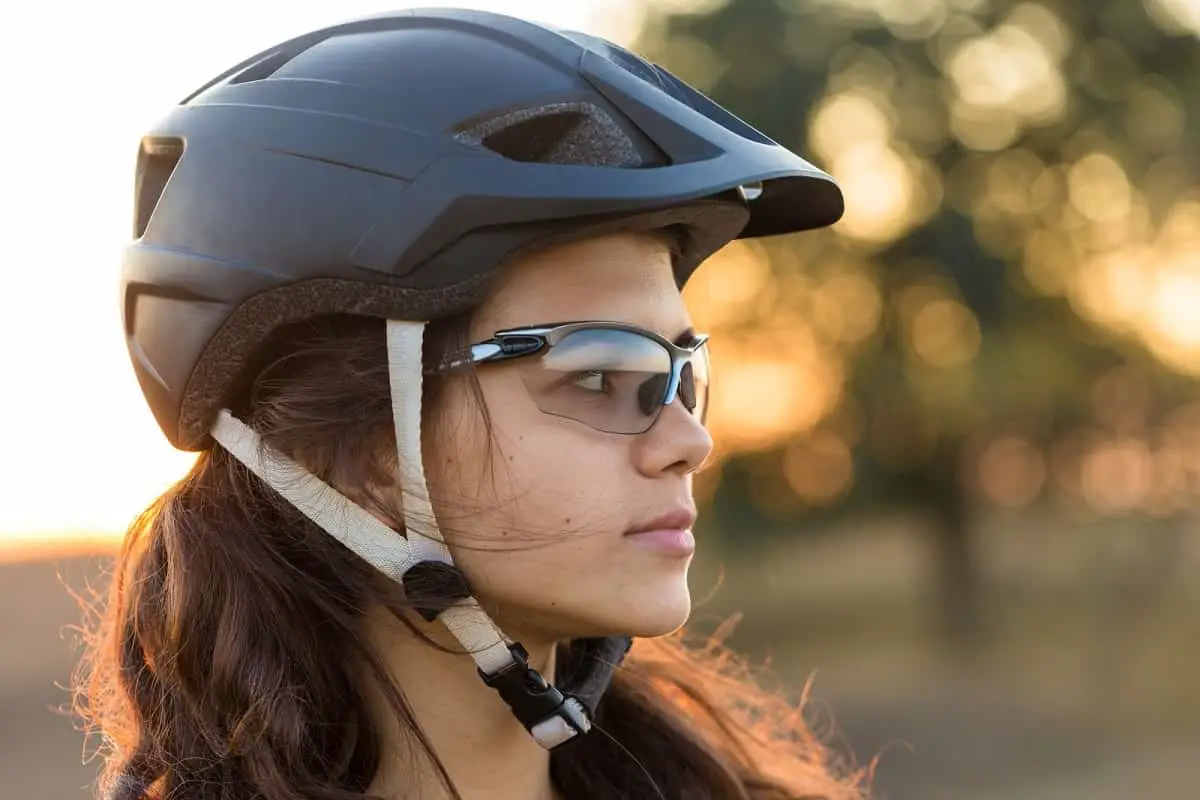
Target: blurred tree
column 1010, row 309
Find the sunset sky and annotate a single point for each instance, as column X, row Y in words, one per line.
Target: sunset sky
column 79, row 451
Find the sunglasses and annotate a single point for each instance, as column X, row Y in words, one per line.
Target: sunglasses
column 610, row 376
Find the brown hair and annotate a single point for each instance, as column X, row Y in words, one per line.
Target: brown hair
column 210, row 674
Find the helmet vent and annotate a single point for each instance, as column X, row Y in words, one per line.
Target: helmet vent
column 561, row 133
column 265, row 67
column 156, row 161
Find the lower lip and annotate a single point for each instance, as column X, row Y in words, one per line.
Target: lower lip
column 669, row 541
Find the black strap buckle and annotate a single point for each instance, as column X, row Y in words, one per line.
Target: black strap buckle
column 534, row 701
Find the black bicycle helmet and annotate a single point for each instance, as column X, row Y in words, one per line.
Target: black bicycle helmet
column 388, row 167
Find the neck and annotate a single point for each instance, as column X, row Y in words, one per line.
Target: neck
column 486, row 752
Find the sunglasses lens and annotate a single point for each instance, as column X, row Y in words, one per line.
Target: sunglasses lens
column 609, row 379
column 651, row 393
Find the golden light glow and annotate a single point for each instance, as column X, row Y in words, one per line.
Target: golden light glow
column 1008, row 79
column 945, row 333
column 764, row 395
column 1099, row 188
column 1013, row 68
column 1112, row 288
column 1012, row 180
column 725, row 291
column 1011, row 472
column 1149, row 286
column 1156, row 474
column 844, row 121
column 1176, row 298
column 1116, row 476
column 773, row 340
column 1049, row 263
column 847, row 307
column 819, row 468
column 880, row 189
column 888, row 189
column 983, row 128
column 1176, row 16
column 1180, row 232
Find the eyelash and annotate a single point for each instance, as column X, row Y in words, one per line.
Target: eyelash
column 602, row 374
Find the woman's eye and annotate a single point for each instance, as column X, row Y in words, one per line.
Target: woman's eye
column 594, row 381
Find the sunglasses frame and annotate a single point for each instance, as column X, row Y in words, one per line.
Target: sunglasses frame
column 512, row 343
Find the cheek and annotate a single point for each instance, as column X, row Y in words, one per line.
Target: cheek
column 532, row 476
column 544, row 496
column 536, row 522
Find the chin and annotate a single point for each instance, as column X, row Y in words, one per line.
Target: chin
column 647, row 609
column 649, row 612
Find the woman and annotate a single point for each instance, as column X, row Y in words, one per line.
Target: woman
column 410, row 286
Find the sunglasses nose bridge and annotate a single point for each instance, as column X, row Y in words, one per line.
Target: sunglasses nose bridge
column 674, row 379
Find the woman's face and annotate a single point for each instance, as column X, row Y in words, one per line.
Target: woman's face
column 540, row 520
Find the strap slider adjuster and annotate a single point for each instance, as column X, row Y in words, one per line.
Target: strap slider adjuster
column 546, row 712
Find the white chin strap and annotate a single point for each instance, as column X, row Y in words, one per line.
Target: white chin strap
column 500, row 661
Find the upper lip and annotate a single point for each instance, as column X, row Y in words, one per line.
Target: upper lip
column 677, row 519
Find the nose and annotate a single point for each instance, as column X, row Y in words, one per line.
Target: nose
column 677, row 442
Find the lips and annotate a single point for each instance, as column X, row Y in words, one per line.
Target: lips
column 676, row 519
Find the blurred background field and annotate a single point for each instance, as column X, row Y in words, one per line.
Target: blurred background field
column 959, row 432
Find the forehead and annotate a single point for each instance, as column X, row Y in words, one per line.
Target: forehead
column 623, row 277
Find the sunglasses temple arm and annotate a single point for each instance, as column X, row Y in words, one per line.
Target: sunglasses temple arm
column 492, row 350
